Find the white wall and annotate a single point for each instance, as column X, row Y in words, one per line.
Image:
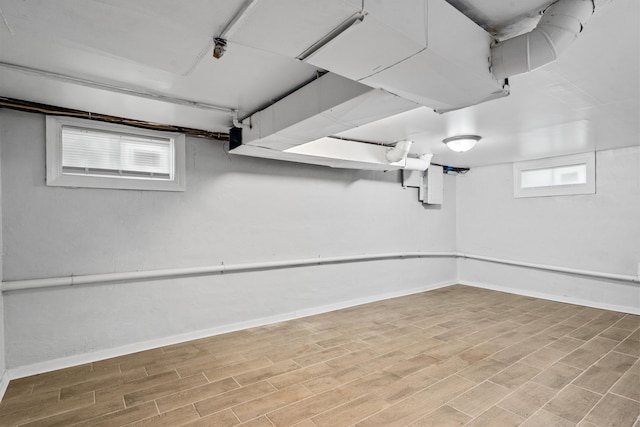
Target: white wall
column 4, row 381
column 240, row 210
column 235, row 210
column 598, row 232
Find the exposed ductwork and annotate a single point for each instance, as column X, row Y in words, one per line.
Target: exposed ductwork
column 425, row 51
column 418, row 163
column 338, row 153
column 298, row 127
column 559, row 26
column 383, row 60
column 399, row 152
column 345, row 153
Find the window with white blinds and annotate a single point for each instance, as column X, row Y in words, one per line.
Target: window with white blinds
column 90, row 152
column 82, row 153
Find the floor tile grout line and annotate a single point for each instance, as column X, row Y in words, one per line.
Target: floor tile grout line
column 530, row 416
column 620, row 352
column 612, row 385
column 562, row 389
column 545, row 404
column 196, row 408
column 311, row 397
column 509, row 410
column 234, row 414
column 596, row 362
column 406, row 397
column 627, row 336
column 511, row 391
column 623, row 396
column 592, row 408
column 602, row 395
column 360, row 420
column 276, row 390
column 457, row 409
column 193, row 405
column 269, row 419
column 447, row 404
column 212, row 396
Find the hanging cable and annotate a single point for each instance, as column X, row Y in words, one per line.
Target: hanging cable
column 452, row 170
column 34, row 107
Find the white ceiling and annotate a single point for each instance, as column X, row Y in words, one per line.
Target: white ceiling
column 60, row 52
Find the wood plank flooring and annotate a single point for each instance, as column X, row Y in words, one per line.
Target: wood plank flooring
column 450, row 357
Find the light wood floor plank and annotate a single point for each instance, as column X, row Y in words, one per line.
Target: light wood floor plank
column 450, row 357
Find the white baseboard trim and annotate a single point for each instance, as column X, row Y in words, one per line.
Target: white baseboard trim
column 80, row 359
column 4, row 383
column 552, row 297
column 366, row 300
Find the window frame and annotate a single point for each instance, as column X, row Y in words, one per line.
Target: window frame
column 589, row 187
column 56, row 177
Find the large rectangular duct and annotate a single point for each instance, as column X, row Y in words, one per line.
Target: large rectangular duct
column 422, row 50
column 383, row 59
column 328, row 105
column 425, row 51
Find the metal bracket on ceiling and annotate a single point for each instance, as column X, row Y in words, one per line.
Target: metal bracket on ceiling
column 220, row 42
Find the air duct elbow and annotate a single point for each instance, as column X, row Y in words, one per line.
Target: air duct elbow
column 559, row 26
column 399, row 152
column 418, row 163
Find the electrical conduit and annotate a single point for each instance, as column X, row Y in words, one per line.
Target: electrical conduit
column 93, row 279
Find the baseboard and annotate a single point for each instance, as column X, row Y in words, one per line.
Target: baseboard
column 4, row 383
column 366, row 300
column 552, row 297
column 80, row 359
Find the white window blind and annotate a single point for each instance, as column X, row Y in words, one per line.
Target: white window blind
column 91, row 152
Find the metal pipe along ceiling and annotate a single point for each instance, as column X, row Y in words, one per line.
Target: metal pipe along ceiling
column 559, row 26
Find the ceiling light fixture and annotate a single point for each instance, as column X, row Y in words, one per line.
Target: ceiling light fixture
column 461, row 143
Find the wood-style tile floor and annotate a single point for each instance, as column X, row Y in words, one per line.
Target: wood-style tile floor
column 451, row 357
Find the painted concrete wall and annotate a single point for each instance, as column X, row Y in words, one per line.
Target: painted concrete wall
column 240, row 210
column 235, row 210
column 3, row 380
column 599, row 232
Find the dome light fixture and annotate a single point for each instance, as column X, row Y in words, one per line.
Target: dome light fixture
column 461, row 143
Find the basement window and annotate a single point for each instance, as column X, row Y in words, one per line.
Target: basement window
column 84, row 153
column 557, row 176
